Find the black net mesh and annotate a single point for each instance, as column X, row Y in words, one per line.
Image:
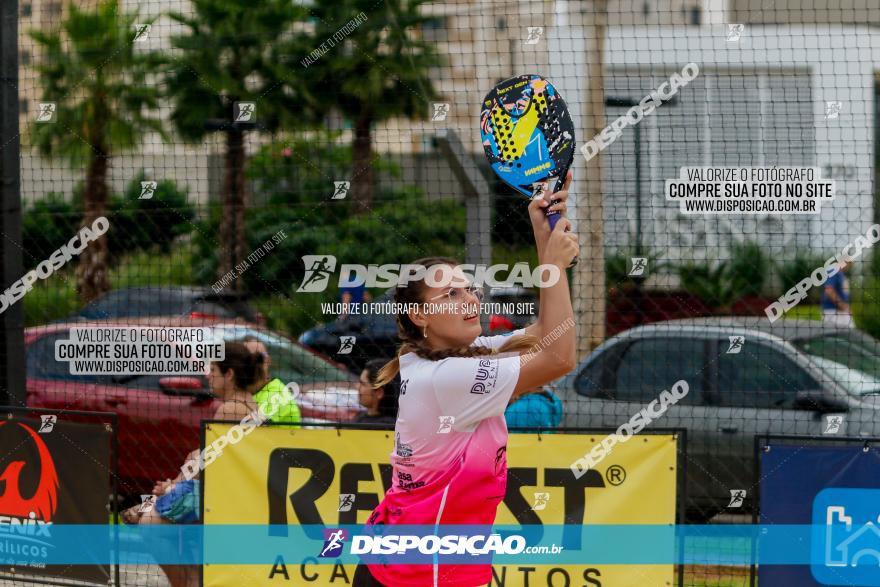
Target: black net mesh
column 244, row 153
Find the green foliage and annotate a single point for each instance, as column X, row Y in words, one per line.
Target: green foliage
column 618, row 264
column 142, row 268
column 46, row 225
column 749, row 269
column 793, row 269
column 380, row 70
column 712, row 284
column 512, row 255
column 134, row 224
column 300, row 169
column 721, row 284
column 804, row 311
column 866, row 306
column 51, row 299
column 398, row 231
column 99, row 83
column 366, row 60
column 617, row 269
column 55, row 298
column 235, row 51
column 872, row 266
column 137, row 224
column 290, row 315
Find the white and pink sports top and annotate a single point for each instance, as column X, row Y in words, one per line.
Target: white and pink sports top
column 449, row 460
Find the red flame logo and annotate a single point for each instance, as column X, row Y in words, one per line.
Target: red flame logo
column 44, row 501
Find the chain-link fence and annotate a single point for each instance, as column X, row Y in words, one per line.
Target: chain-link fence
column 258, row 162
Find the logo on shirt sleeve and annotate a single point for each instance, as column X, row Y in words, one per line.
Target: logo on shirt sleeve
column 402, row 449
column 487, row 374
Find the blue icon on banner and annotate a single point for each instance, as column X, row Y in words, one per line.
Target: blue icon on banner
column 334, row 539
column 846, row 537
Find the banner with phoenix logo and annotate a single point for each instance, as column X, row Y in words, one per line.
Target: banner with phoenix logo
column 52, row 471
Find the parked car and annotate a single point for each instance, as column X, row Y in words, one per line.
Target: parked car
column 783, row 380
column 159, row 416
column 376, row 335
column 180, row 301
column 519, row 308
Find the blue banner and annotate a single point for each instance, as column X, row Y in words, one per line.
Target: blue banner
column 835, row 490
column 624, row 544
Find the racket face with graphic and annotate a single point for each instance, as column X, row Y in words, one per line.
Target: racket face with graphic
column 528, row 135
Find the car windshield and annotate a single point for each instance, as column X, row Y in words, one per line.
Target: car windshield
column 290, row 362
column 851, row 359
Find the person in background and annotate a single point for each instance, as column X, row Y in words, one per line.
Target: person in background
column 177, row 500
column 381, row 403
column 835, row 299
column 535, row 411
column 352, row 293
column 270, row 390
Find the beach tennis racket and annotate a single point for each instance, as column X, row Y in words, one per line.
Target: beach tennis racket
column 528, row 135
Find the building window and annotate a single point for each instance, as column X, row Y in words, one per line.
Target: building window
column 26, row 10
column 25, row 58
column 22, row 106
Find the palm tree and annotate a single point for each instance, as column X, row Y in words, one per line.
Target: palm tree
column 99, row 83
column 234, row 51
column 379, row 71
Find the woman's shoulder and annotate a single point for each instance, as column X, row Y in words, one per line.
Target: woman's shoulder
column 233, row 410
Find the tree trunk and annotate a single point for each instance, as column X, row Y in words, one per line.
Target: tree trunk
column 92, row 270
column 232, row 235
column 362, row 175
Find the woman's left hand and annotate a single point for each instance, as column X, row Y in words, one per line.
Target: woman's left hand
column 539, row 207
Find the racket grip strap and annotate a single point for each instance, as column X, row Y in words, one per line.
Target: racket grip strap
column 553, row 217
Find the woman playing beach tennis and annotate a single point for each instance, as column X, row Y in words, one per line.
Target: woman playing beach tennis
column 449, row 460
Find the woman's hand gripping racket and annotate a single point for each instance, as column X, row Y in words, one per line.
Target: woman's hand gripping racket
column 528, row 137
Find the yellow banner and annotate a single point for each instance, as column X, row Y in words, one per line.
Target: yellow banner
column 309, row 469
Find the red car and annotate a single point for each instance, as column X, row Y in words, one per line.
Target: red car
column 159, row 416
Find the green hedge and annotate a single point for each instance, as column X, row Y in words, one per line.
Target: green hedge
column 135, row 224
column 392, row 232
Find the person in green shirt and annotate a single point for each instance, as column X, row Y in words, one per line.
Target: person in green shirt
column 270, row 394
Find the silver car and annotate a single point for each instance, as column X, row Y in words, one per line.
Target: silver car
column 746, row 376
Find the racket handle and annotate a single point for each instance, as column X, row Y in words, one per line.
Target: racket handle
column 553, row 217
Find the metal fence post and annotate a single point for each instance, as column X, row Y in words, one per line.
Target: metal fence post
column 478, row 195
column 12, row 360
